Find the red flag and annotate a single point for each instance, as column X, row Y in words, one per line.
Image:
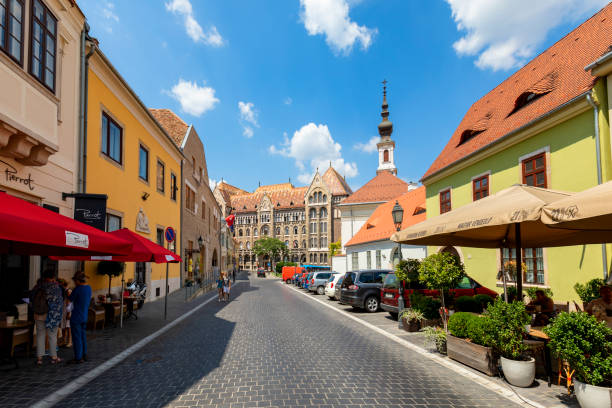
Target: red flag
column 230, row 221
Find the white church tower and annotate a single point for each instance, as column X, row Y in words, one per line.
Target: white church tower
column 386, row 146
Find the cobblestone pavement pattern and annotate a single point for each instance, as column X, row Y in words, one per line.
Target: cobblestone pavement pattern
column 271, row 346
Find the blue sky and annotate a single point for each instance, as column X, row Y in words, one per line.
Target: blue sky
column 278, row 88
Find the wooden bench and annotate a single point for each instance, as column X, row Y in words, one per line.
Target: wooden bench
column 94, row 317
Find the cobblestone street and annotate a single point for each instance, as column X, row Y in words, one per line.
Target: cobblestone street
column 271, row 346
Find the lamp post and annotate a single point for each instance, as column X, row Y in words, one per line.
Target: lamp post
column 398, row 216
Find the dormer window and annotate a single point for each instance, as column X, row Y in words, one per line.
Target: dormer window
column 525, row 99
column 469, row 134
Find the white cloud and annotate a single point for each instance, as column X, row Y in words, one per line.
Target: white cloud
column 369, row 146
column 194, row 99
column 313, row 145
column 194, row 30
column 108, row 11
column 248, row 118
column 331, row 18
column 288, row 101
column 212, row 183
column 503, row 34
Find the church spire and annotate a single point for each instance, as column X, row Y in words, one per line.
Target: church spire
column 386, row 146
column 385, row 128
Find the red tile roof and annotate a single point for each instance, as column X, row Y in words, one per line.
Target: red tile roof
column 380, row 225
column 336, row 183
column 557, row 75
column 227, row 191
column 292, row 197
column 172, row 124
column 381, row 188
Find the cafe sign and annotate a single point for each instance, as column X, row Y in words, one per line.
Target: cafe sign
column 11, row 175
column 90, row 209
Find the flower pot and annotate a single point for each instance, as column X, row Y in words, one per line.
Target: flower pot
column 519, row 373
column 472, row 355
column 411, row 325
column 592, row 396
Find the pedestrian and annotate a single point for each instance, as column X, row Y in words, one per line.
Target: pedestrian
column 226, row 287
column 80, row 298
column 234, row 275
column 48, row 305
column 220, row 286
column 65, row 326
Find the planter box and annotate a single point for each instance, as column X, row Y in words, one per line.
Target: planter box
column 411, row 326
column 473, row 355
column 431, row 323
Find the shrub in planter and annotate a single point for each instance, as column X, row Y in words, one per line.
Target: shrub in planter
column 430, row 307
column 470, row 341
column 411, row 319
column 484, row 300
column 435, row 336
column 467, row 304
column 458, row 324
column 480, row 330
column 589, row 291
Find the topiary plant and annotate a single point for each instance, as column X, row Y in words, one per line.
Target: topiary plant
column 484, row 300
column 508, row 322
column 585, row 344
column 458, row 324
column 590, row 290
column 467, row 304
column 110, row 269
column 407, row 270
column 481, row 330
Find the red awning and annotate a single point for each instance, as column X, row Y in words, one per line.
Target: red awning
column 28, row 229
column 143, row 250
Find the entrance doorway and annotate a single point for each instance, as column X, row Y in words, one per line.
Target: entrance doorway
column 14, row 280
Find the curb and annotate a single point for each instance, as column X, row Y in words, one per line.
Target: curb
column 504, row 392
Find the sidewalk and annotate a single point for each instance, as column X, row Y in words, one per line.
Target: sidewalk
column 29, row 383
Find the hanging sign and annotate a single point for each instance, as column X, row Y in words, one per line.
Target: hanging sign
column 90, row 209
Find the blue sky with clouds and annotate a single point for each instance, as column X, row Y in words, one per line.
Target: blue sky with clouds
column 277, row 88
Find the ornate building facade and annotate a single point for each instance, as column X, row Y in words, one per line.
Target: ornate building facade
column 304, row 218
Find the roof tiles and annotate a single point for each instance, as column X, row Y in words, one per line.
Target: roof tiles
column 172, row 124
column 381, row 188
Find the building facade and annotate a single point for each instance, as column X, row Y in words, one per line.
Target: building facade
column 547, row 125
column 135, row 162
column 201, row 215
column 39, row 105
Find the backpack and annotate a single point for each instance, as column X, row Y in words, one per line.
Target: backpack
column 39, row 302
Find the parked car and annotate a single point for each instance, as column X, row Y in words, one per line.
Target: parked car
column 318, row 281
column 300, row 279
column 332, row 284
column 390, row 291
column 307, row 279
column 261, row 273
column 361, row 289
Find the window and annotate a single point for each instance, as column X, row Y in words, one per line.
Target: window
column 366, row 277
column 248, row 232
column 277, row 231
column 378, row 259
column 286, row 230
column 287, row 244
column 323, row 227
column 113, row 223
column 480, row 187
column 255, row 232
column 190, row 199
column 324, row 198
column 323, row 212
column 203, row 209
column 173, row 187
column 533, row 258
column 324, row 258
column 304, row 244
column 248, row 246
column 11, row 28
column 295, row 230
column 240, row 233
column 42, row 45
column 296, row 245
column 369, row 259
column 386, row 156
column 143, row 163
column 379, row 276
column 303, row 229
column 355, row 261
column 313, row 213
column 319, row 196
column 161, row 177
column 160, row 236
column 264, row 230
column 469, row 134
column 323, row 242
column 112, row 138
column 445, row 201
column 534, row 171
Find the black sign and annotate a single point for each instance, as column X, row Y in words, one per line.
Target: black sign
column 91, row 209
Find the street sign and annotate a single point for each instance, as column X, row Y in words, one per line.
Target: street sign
column 170, row 234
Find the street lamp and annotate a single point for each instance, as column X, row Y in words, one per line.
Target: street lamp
column 200, row 242
column 398, row 217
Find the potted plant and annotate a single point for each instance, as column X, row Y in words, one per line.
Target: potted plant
column 111, row 269
column 508, row 322
column 588, row 291
column 436, row 337
column 411, row 319
column 586, row 345
column 441, row 271
column 429, row 306
column 470, row 340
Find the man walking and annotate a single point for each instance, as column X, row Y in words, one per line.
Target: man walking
column 234, row 275
column 80, row 298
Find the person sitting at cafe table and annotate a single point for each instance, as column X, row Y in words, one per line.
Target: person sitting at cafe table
column 544, row 308
column 601, row 307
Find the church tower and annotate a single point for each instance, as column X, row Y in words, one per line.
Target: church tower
column 386, row 146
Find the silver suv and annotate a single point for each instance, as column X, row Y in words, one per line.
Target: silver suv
column 318, row 281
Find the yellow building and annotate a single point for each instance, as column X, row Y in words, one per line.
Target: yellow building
column 131, row 159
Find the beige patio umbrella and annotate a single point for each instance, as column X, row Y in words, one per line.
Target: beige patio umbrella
column 510, row 218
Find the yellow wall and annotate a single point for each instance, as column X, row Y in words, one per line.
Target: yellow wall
column 571, row 167
column 122, row 183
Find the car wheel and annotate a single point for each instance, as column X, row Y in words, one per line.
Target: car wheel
column 371, row 304
column 288, row 281
column 320, row 290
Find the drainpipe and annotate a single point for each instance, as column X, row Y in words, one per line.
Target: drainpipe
column 83, row 90
column 595, row 106
column 180, row 192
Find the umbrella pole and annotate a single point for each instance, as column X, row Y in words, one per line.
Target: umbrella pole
column 519, row 261
column 121, row 294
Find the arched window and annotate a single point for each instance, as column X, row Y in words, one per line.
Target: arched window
column 319, row 197
column 324, row 198
column 304, row 244
column 287, row 244
column 265, row 230
column 248, row 245
column 325, row 259
column 241, row 245
column 248, row 232
column 277, row 230
column 255, row 232
column 240, row 232
column 386, row 156
column 295, row 244
column 303, row 229
column 323, row 212
column 286, row 230
column 310, row 258
column 310, row 200
column 313, row 213
column 295, row 230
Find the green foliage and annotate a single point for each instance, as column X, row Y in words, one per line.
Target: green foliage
column 481, row 330
column 408, row 270
column 590, row 290
column 458, row 324
column 279, row 266
column 110, row 269
column 435, row 336
column 467, row 304
column 334, row 248
column 428, row 306
column 412, row 314
column 441, row 271
column 269, row 246
column 531, row 292
column 585, row 344
column 484, row 300
column 508, row 322
column 512, row 293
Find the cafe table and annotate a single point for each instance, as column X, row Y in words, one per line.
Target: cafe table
column 536, row 333
column 7, row 338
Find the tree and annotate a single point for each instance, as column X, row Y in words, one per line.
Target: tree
column 407, row 270
column 270, row 246
column 110, row 269
column 441, row 271
column 334, row 248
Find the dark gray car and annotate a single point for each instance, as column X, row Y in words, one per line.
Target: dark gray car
column 361, row 289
